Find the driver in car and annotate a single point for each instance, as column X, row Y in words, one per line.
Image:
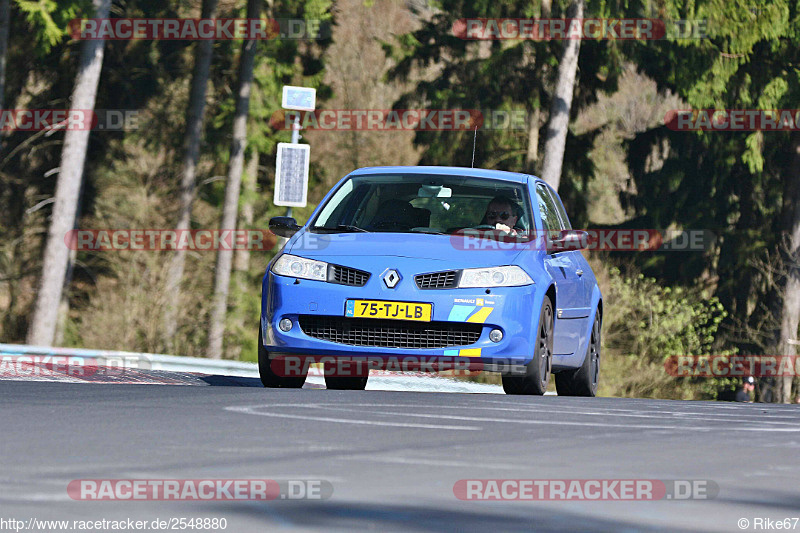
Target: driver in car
column 501, row 213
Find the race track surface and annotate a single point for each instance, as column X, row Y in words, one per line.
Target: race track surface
column 392, row 458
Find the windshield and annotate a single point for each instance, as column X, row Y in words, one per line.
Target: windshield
column 424, row 203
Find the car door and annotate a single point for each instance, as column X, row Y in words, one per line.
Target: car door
column 567, row 275
column 581, row 265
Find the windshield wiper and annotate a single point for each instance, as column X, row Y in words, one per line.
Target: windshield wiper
column 429, row 232
column 341, row 228
column 351, row 228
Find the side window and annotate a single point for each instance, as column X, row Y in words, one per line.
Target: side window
column 561, row 212
column 547, row 209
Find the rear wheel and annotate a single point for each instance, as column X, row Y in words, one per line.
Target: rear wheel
column 537, row 372
column 269, row 378
column 583, row 381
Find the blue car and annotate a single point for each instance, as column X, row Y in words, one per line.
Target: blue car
column 439, row 264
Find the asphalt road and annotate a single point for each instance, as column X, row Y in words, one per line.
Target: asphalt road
column 392, row 458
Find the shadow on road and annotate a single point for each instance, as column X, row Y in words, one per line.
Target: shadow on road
column 386, row 517
column 772, row 500
column 231, row 381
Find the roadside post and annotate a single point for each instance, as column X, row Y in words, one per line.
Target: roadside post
column 291, row 166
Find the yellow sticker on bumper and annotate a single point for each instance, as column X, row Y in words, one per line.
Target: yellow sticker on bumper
column 481, row 315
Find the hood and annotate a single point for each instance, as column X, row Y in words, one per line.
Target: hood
column 457, row 251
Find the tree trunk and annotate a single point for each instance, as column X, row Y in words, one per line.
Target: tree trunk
column 230, row 209
column 532, row 155
column 790, row 311
column 241, row 258
column 556, row 137
column 191, row 154
column 73, row 156
column 5, row 13
column 63, row 307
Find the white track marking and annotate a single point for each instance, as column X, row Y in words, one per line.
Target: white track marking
column 252, row 410
column 654, row 412
column 693, row 416
column 592, row 424
column 372, row 411
column 35, row 497
column 431, row 462
column 689, row 416
column 514, row 420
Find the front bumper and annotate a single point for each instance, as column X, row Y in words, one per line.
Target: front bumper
column 509, row 309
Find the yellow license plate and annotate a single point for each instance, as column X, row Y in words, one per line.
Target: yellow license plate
column 391, row 310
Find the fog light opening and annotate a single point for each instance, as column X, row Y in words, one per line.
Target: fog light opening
column 496, row 335
column 285, row 324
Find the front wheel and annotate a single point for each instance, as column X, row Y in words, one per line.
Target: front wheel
column 269, row 378
column 537, row 372
column 583, row 381
column 345, row 376
column 346, row 383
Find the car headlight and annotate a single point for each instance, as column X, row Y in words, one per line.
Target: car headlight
column 504, row 276
column 300, row 267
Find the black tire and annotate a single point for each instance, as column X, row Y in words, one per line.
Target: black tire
column 355, row 377
column 537, row 372
column 268, row 376
column 583, row 381
column 346, row 383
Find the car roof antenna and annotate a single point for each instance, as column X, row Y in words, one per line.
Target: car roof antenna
column 474, row 140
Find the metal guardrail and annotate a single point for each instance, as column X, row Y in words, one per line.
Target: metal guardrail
column 139, row 360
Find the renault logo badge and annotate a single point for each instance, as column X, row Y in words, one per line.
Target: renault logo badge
column 391, row 278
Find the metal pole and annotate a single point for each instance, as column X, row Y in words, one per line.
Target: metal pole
column 296, row 129
column 295, row 140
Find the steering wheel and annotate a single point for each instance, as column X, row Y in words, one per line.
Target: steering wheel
column 485, row 226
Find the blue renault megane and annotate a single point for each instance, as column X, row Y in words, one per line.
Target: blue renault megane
column 443, row 263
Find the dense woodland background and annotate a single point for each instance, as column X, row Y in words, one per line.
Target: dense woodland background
column 621, row 166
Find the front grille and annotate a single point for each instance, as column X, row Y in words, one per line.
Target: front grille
column 347, row 276
column 437, row 280
column 390, row 333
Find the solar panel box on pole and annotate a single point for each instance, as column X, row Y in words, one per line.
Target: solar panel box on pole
column 291, row 174
column 299, row 98
column 291, row 167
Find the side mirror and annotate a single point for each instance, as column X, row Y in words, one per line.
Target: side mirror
column 571, row 239
column 283, row 226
